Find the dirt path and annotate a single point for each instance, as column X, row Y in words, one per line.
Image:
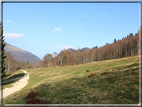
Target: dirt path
column 16, row 86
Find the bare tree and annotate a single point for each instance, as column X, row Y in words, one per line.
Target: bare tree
column 47, row 60
column 91, row 55
column 10, row 64
column 55, row 57
column 61, row 55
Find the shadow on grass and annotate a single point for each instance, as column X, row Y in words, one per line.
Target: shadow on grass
column 132, row 65
column 119, row 87
column 6, row 76
column 108, row 89
column 115, row 88
column 132, row 69
column 124, row 67
column 13, row 78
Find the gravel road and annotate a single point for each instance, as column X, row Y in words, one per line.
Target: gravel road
column 16, row 86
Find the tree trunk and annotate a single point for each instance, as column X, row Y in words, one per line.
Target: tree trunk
column 61, row 61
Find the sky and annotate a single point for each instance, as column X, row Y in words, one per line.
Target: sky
column 42, row 28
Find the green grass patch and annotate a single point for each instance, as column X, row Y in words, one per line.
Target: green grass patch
column 71, row 85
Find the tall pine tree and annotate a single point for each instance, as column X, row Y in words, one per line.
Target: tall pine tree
column 2, row 53
column 27, row 64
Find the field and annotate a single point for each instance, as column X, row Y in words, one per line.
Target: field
column 71, row 84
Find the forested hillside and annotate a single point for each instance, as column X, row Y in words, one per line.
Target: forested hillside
column 17, row 58
column 13, row 65
column 127, row 46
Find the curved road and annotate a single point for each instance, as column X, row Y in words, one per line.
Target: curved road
column 16, row 86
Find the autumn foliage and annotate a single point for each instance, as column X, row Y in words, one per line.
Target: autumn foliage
column 128, row 46
column 121, row 48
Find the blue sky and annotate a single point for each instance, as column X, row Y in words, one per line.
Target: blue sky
column 43, row 28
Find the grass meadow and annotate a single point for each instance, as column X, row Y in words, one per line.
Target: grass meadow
column 71, row 85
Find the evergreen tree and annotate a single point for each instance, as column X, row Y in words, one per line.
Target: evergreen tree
column 27, row 64
column 114, row 40
column 23, row 65
column 96, row 47
column 2, row 53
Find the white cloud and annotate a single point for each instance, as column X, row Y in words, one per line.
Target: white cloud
column 8, row 21
column 79, row 27
column 29, row 41
column 89, row 16
column 12, row 35
column 56, row 29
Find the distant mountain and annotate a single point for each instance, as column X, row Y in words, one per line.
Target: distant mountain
column 20, row 55
column 86, row 48
column 73, row 50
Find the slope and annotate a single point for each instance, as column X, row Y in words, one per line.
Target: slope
column 20, row 55
column 71, row 84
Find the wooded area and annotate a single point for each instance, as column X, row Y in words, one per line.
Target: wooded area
column 128, row 46
column 12, row 65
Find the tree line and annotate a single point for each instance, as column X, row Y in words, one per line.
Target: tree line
column 13, row 65
column 125, row 47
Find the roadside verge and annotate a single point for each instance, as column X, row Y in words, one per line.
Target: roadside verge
column 17, row 86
